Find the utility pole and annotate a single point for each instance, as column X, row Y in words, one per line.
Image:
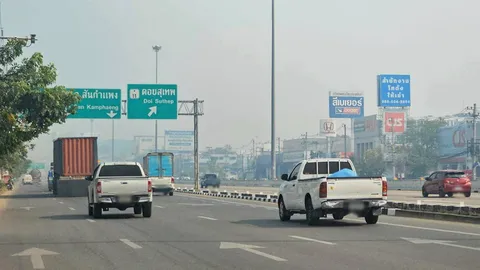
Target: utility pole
column 272, row 147
column 474, row 115
column 156, row 48
column 193, row 108
column 393, row 147
column 305, row 145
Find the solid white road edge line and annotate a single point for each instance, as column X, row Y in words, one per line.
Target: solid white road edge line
column 312, row 240
column 357, row 220
column 159, row 206
column 209, row 218
column 60, row 202
column 71, row 208
column 130, row 244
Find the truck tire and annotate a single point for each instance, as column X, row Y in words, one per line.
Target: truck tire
column 312, row 216
column 147, row 209
column 97, row 211
column 283, row 213
column 137, row 209
column 170, row 193
column 370, row 218
column 90, row 210
column 337, row 216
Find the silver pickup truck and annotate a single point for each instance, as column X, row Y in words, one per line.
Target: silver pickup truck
column 119, row 185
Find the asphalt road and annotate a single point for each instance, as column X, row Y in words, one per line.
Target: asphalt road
column 198, row 232
column 393, row 195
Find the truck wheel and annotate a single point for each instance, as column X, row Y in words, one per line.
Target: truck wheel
column 90, row 210
column 170, row 193
column 337, row 216
column 283, row 213
column 312, row 215
column 137, row 209
column 147, row 209
column 370, row 218
column 97, row 211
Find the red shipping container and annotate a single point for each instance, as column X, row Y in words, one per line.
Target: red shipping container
column 75, row 156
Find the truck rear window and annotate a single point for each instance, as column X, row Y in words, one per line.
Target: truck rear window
column 120, row 170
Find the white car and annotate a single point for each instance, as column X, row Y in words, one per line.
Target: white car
column 27, row 179
column 119, row 185
column 309, row 190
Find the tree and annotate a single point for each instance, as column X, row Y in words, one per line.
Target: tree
column 421, row 145
column 30, row 103
column 371, row 164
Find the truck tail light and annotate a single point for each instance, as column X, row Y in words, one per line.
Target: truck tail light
column 149, row 185
column 384, row 187
column 99, row 187
column 172, row 180
column 323, row 190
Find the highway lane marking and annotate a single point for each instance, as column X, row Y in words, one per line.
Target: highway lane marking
column 312, row 240
column 91, row 220
column 60, row 202
column 71, row 208
column 54, row 199
column 197, row 204
column 209, row 218
column 251, row 249
column 159, row 206
column 130, row 244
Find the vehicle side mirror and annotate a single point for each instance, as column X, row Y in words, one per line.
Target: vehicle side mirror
column 89, row 178
column 284, row 176
column 428, row 179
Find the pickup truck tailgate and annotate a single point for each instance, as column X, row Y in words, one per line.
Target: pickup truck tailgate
column 354, row 188
column 124, row 186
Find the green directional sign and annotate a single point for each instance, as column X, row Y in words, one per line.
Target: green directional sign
column 38, row 166
column 152, row 101
column 98, row 104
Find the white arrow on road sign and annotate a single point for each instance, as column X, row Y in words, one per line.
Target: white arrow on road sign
column 153, row 110
column 111, row 114
column 438, row 242
column 251, row 249
column 35, row 255
column 27, row 208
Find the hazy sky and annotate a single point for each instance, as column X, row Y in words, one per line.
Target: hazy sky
column 219, row 51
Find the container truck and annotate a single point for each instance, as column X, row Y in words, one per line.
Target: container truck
column 36, row 175
column 74, row 158
column 159, row 168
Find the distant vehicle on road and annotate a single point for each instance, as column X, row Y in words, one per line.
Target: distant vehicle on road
column 309, row 189
column 159, row 168
column 36, row 175
column 27, row 179
column 447, row 182
column 209, row 180
column 119, row 185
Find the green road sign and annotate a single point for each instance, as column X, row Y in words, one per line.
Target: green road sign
column 152, row 101
column 99, row 104
column 38, row 166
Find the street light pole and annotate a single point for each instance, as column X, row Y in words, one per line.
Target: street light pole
column 272, row 140
column 156, row 48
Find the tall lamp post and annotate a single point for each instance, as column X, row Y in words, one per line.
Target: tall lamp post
column 273, row 174
column 156, row 48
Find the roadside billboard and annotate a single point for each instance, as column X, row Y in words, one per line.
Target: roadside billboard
column 394, row 122
column 452, row 140
column 346, row 104
column 368, row 126
column 179, row 140
column 328, row 127
column 393, row 90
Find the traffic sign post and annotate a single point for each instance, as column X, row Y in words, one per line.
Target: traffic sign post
column 98, row 104
column 152, row 101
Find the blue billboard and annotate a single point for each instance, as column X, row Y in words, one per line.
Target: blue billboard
column 393, row 90
column 344, row 106
column 453, row 140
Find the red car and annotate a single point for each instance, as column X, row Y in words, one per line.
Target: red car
column 447, row 182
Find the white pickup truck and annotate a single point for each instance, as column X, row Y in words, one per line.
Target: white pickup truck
column 119, row 185
column 308, row 190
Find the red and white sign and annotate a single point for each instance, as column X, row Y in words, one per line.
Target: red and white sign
column 394, row 122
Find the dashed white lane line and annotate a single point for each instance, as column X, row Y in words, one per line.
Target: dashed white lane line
column 91, row 220
column 209, row 218
column 71, row 208
column 312, row 240
column 159, row 206
column 60, row 202
column 54, row 199
column 130, row 244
